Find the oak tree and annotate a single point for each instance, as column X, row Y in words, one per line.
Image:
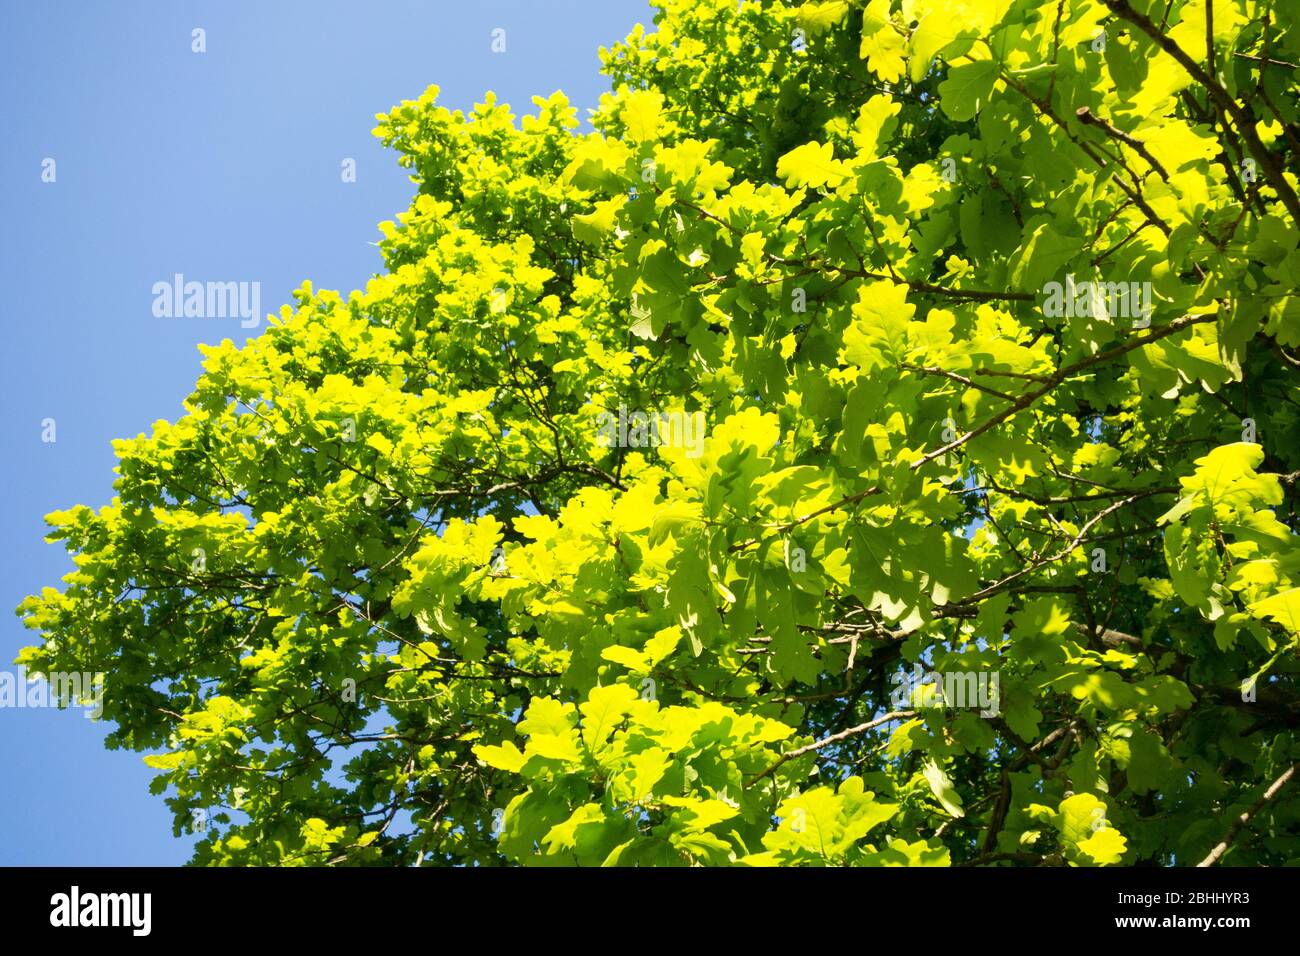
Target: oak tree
column 984, row 550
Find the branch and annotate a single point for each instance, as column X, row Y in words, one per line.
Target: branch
column 833, row 738
column 1028, row 398
column 1087, row 118
column 1020, row 404
column 1216, row 854
column 1241, row 115
column 1043, row 562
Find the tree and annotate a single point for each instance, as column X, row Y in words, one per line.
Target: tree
column 876, row 444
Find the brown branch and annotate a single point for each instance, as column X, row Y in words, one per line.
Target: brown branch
column 934, row 370
column 1243, row 116
column 1028, row 398
column 833, row 738
column 1274, row 788
column 1087, row 118
column 1269, row 61
column 1019, row 405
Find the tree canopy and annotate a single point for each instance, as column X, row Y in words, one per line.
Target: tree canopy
column 876, row 443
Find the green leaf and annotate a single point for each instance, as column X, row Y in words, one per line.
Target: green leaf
column 604, row 709
column 506, row 756
column 942, row 788
column 966, row 88
column 812, row 164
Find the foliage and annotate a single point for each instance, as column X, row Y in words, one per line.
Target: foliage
column 385, row 596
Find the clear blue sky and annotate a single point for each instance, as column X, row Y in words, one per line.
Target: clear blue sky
column 223, row 166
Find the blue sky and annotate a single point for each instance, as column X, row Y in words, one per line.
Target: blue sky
column 222, row 166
